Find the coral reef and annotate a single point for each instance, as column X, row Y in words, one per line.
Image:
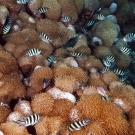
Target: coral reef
column 67, row 67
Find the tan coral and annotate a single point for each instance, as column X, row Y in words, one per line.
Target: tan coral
column 4, row 112
column 45, row 102
column 36, row 80
column 78, row 5
column 69, row 9
column 16, row 129
column 23, row 107
column 3, row 14
column 7, row 60
column 54, row 9
column 101, row 51
column 107, row 31
column 59, row 34
column 109, row 77
column 93, row 62
column 66, row 83
column 84, row 49
column 49, row 125
column 61, row 53
column 59, row 108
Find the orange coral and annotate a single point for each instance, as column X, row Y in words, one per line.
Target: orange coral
column 62, row 108
column 107, row 31
column 54, row 9
column 45, row 102
column 9, row 128
column 4, row 112
column 38, row 76
column 68, row 9
column 49, row 125
column 66, row 83
column 109, row 77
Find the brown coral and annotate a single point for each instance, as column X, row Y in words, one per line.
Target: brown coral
column 45, row 102
column 16, row 129
column 4, row 112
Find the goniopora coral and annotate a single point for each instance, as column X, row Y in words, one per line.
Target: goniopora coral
column 65, row 67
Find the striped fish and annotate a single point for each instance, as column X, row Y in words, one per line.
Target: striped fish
column 45, row 38
column 89, row 23
column 110, row 58
column 51, row 59
column 30, row 120
column 105, row 69
column 46, row 82
column 105, row 98
column 65, row 19
column 100, row 17
column 5, row 105
column 6, row 28
column 42, row 10
column 125, row 50
column 33, row 52
column 106, row 62
column 123, row 78
column 129, row 37
column 77, row 54
column 118, row 71
column 77, row 125
column 22, row 1
column 84, row 31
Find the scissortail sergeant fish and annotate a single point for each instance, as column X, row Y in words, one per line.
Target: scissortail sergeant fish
column 65, row 19
column 129, row 37
column 2, row 104
column 42, row 10
column 51, row 59
column 30, row 120
column 125, row 50
column 33, row 52
column 77, row 54
column 22, row 1
column 105, row 69
column 45, row 38
column 100, row 17
column 77, row 125
column 118, row 71
column 6, row 28
column 90, row 23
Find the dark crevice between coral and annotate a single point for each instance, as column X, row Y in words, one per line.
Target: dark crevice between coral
column 31, row 130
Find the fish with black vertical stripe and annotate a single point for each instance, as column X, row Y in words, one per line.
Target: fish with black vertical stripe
column 77, row 125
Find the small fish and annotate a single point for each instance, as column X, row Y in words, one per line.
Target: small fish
column 65, row 19
column 51, row 59
column 125, row 50
column 100, row 17
column 45, row 38
column 84, row 31
column 105, row 98
column 106, row 62
column 110, row 58
column 33, row 52
column 129, row 37
column 118, row 71
column 22, row 1
column 6, row 28
column 77, row 125
column 89, row 23
column 30, row 120
column 105, row 69
column 46, row 82
column 76, row 54
column 2, row 104
column 43, row 10
column 123, row 78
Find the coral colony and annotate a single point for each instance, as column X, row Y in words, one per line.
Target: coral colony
column 67, row 67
